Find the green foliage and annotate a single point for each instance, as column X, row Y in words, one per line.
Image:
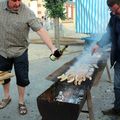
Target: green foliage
column 55, row 8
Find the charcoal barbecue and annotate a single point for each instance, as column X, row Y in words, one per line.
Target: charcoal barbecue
column 64, row 100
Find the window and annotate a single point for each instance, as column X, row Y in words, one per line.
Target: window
column 39, row 5
column 39, row 12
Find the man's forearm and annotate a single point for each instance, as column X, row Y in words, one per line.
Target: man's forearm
column 45, row 37
column 105, row 40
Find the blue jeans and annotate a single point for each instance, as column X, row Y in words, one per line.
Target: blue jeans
column 117, row 85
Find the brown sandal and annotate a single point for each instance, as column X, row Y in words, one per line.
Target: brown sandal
column 22, row 109
column 5, row 102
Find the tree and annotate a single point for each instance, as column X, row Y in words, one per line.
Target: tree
column 56, row 10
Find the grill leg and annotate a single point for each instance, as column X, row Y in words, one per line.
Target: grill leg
column 108, row 73
column 89, row 104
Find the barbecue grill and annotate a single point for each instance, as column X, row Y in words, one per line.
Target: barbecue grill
column 64, row 101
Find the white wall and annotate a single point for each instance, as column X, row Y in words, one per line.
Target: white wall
column 33, row 7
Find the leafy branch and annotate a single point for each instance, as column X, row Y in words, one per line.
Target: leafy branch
column 55, row 8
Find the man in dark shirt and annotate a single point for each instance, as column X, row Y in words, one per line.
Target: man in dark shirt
column 113, row 36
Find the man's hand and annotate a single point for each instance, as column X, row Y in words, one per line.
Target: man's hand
column 94, row 49
column 57, row 53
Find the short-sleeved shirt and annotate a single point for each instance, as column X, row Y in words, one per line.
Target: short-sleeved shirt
column 14, row 29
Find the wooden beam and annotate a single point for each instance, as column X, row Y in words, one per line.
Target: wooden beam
column 89, row 105
column 53, row 76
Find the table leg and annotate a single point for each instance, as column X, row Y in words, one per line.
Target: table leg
column 89, row 104
column 108, row 73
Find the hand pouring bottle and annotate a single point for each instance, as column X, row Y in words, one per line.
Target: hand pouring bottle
column 52, row 56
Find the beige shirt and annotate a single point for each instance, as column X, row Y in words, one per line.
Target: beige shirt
column 14, row 29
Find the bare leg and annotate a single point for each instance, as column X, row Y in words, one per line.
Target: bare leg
column 6, row 88
column 6, row 100
column 22, row 107
column 21, row 92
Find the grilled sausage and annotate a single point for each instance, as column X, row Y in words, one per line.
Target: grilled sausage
column 70, row 78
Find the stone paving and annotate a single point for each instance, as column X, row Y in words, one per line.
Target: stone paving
column 40, row 68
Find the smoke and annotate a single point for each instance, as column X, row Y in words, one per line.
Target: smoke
column 84, row 62
column 86, row 59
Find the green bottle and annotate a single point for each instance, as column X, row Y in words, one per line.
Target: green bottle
column 53, row 58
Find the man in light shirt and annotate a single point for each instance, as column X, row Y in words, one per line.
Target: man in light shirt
column 16, row 19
